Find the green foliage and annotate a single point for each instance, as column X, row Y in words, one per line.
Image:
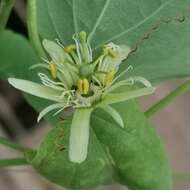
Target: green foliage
column 16, row 56
column 133, row 156
column 155, row 27
column 165, row 54
column 5, row 8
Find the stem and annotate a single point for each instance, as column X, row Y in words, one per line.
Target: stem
column 12, row 162
column 5, row 9
column 33, row 28
column 179, row 177
column 12, row 145
column 168, row 99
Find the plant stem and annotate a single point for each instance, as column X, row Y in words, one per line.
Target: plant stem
column 12, row 145
column 12, row 162
column 5, row 9
column 33, row 28
column 168, row 99
column 181, row 177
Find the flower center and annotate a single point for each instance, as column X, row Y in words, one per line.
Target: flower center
column 77, row 70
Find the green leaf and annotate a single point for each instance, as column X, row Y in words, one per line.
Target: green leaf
column 16, row 56
column 52, row 161
column 138, row 154
column 5, row 9
column 12, row 162
column 163, row 55
column 133, row 155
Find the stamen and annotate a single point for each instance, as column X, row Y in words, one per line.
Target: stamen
column 59, row 43
column 100, row 63
column 90, row 51
column 66, row 93
column 53, row 70
column 48, row 82
column 109, row 51
column 69, row 72
column 109, row 78
column 97, row 81
column 69, row 48
column 110, row 88
column 83, row 86
column 75, row 58
column 77, row 48
column 130, row 67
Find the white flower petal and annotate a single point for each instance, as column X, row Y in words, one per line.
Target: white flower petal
column 128, row 82
column 79, row 135
column 112, row 63
column 35, row 89
column 39, row 65
column 48, row 109
column 117, row 85
column 141, row 80
column 114, row 114
column 124, row 51
column 112, row 98
column 54, row 50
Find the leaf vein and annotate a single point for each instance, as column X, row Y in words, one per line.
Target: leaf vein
column 99, row 20
column 74, row 18
column 135, row 26
column 52, row 21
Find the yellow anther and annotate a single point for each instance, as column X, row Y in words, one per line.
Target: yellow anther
column 69, row 48
column 53, row 70
column 83, row 86
column 109, row 77
column 112, row 53
column 109, row 51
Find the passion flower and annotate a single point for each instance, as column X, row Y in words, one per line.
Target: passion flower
column 83, row 82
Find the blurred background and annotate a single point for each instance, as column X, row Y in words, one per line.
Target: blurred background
column 18, row 122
